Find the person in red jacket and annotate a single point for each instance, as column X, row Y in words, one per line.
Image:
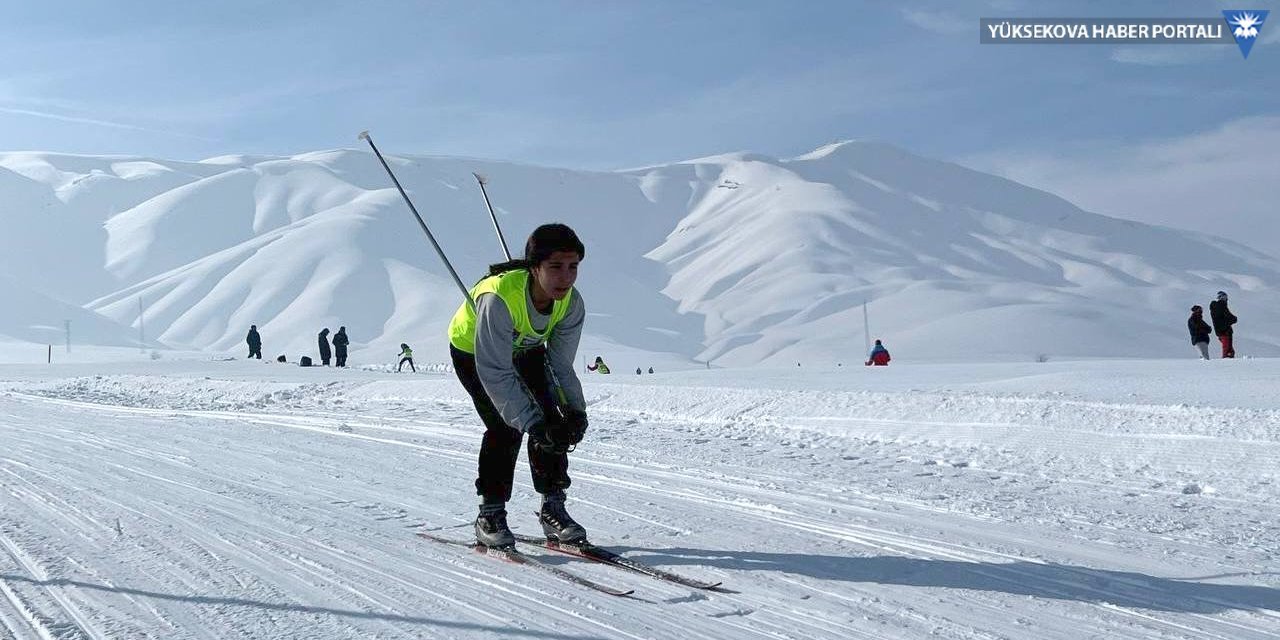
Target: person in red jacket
column 879, row 356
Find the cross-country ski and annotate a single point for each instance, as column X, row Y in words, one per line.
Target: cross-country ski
column 515, row 556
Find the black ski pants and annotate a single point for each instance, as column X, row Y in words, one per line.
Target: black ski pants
column 500, row 446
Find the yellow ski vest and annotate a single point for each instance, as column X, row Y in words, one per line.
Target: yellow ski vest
column 511, row 287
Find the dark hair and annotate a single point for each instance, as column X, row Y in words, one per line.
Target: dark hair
column 544, row 241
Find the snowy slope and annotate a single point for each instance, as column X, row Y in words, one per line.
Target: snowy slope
column 31, row 317
column 54, row 209
column 739, row 259
column 1059, row 500
column 319, row 240
column 780, row 255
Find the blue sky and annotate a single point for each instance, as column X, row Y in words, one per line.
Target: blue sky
column 613, row 84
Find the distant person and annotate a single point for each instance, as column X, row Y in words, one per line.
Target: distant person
column 879, row 356
column 1222, row 319
column 281, row 358
column 340, row 343
column 650, row 369
column 325, row 354
column 255, row 342
column 406, row 355
column 599, row 366
column 638, row 372
column 1199, row 331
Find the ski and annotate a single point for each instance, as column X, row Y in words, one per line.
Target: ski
column 605, row 556
column 511, row 554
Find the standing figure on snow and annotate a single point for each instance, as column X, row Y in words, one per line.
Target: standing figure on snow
column 406, row 355
column 514, row 354
column 879, row 356
column 324, row 347
column 340, row 343
column 599, row 366
column 1222, row 320
column 1199, row 331
column 255, row 342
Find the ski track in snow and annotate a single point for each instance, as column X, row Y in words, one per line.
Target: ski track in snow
column 149, row 512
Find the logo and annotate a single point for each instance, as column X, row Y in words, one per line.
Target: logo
column 1244, row 26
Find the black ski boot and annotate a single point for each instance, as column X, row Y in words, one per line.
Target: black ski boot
column 491, row 527
column 556, row 523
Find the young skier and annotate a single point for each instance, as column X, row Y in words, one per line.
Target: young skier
column 406, row 355
column 599, row 366
column 514, row 354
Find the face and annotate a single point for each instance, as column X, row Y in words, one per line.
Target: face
column 556, row 274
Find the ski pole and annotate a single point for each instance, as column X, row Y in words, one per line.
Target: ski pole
column 555, row 383
column 501, row 240
column 364, row 135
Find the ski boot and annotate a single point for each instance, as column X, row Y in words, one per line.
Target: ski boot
column 556, row 522
column 491, row 527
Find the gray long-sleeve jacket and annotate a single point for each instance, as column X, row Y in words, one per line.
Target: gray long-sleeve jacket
column 494, row 331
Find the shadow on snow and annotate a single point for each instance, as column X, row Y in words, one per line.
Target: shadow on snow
column 1050, row 581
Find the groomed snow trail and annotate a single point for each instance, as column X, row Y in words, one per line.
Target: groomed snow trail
column 133, row 514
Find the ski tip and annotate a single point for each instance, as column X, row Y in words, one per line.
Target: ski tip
column 364, row 135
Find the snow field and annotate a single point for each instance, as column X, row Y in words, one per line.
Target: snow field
column 210, row 499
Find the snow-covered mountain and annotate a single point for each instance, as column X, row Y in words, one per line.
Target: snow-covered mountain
column 28, row 316
column 953, row 263
column 739, row 259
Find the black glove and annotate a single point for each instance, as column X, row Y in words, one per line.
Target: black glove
column 549, row 437
column 575, row 425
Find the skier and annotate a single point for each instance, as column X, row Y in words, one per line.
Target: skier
column 514, row 354
column 1222, row 320
column 340, row 343
column 324, row 347
column 1199, row 331
column 599, row 366
column 255, row 342
column 879, row 356
column 406, row 355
